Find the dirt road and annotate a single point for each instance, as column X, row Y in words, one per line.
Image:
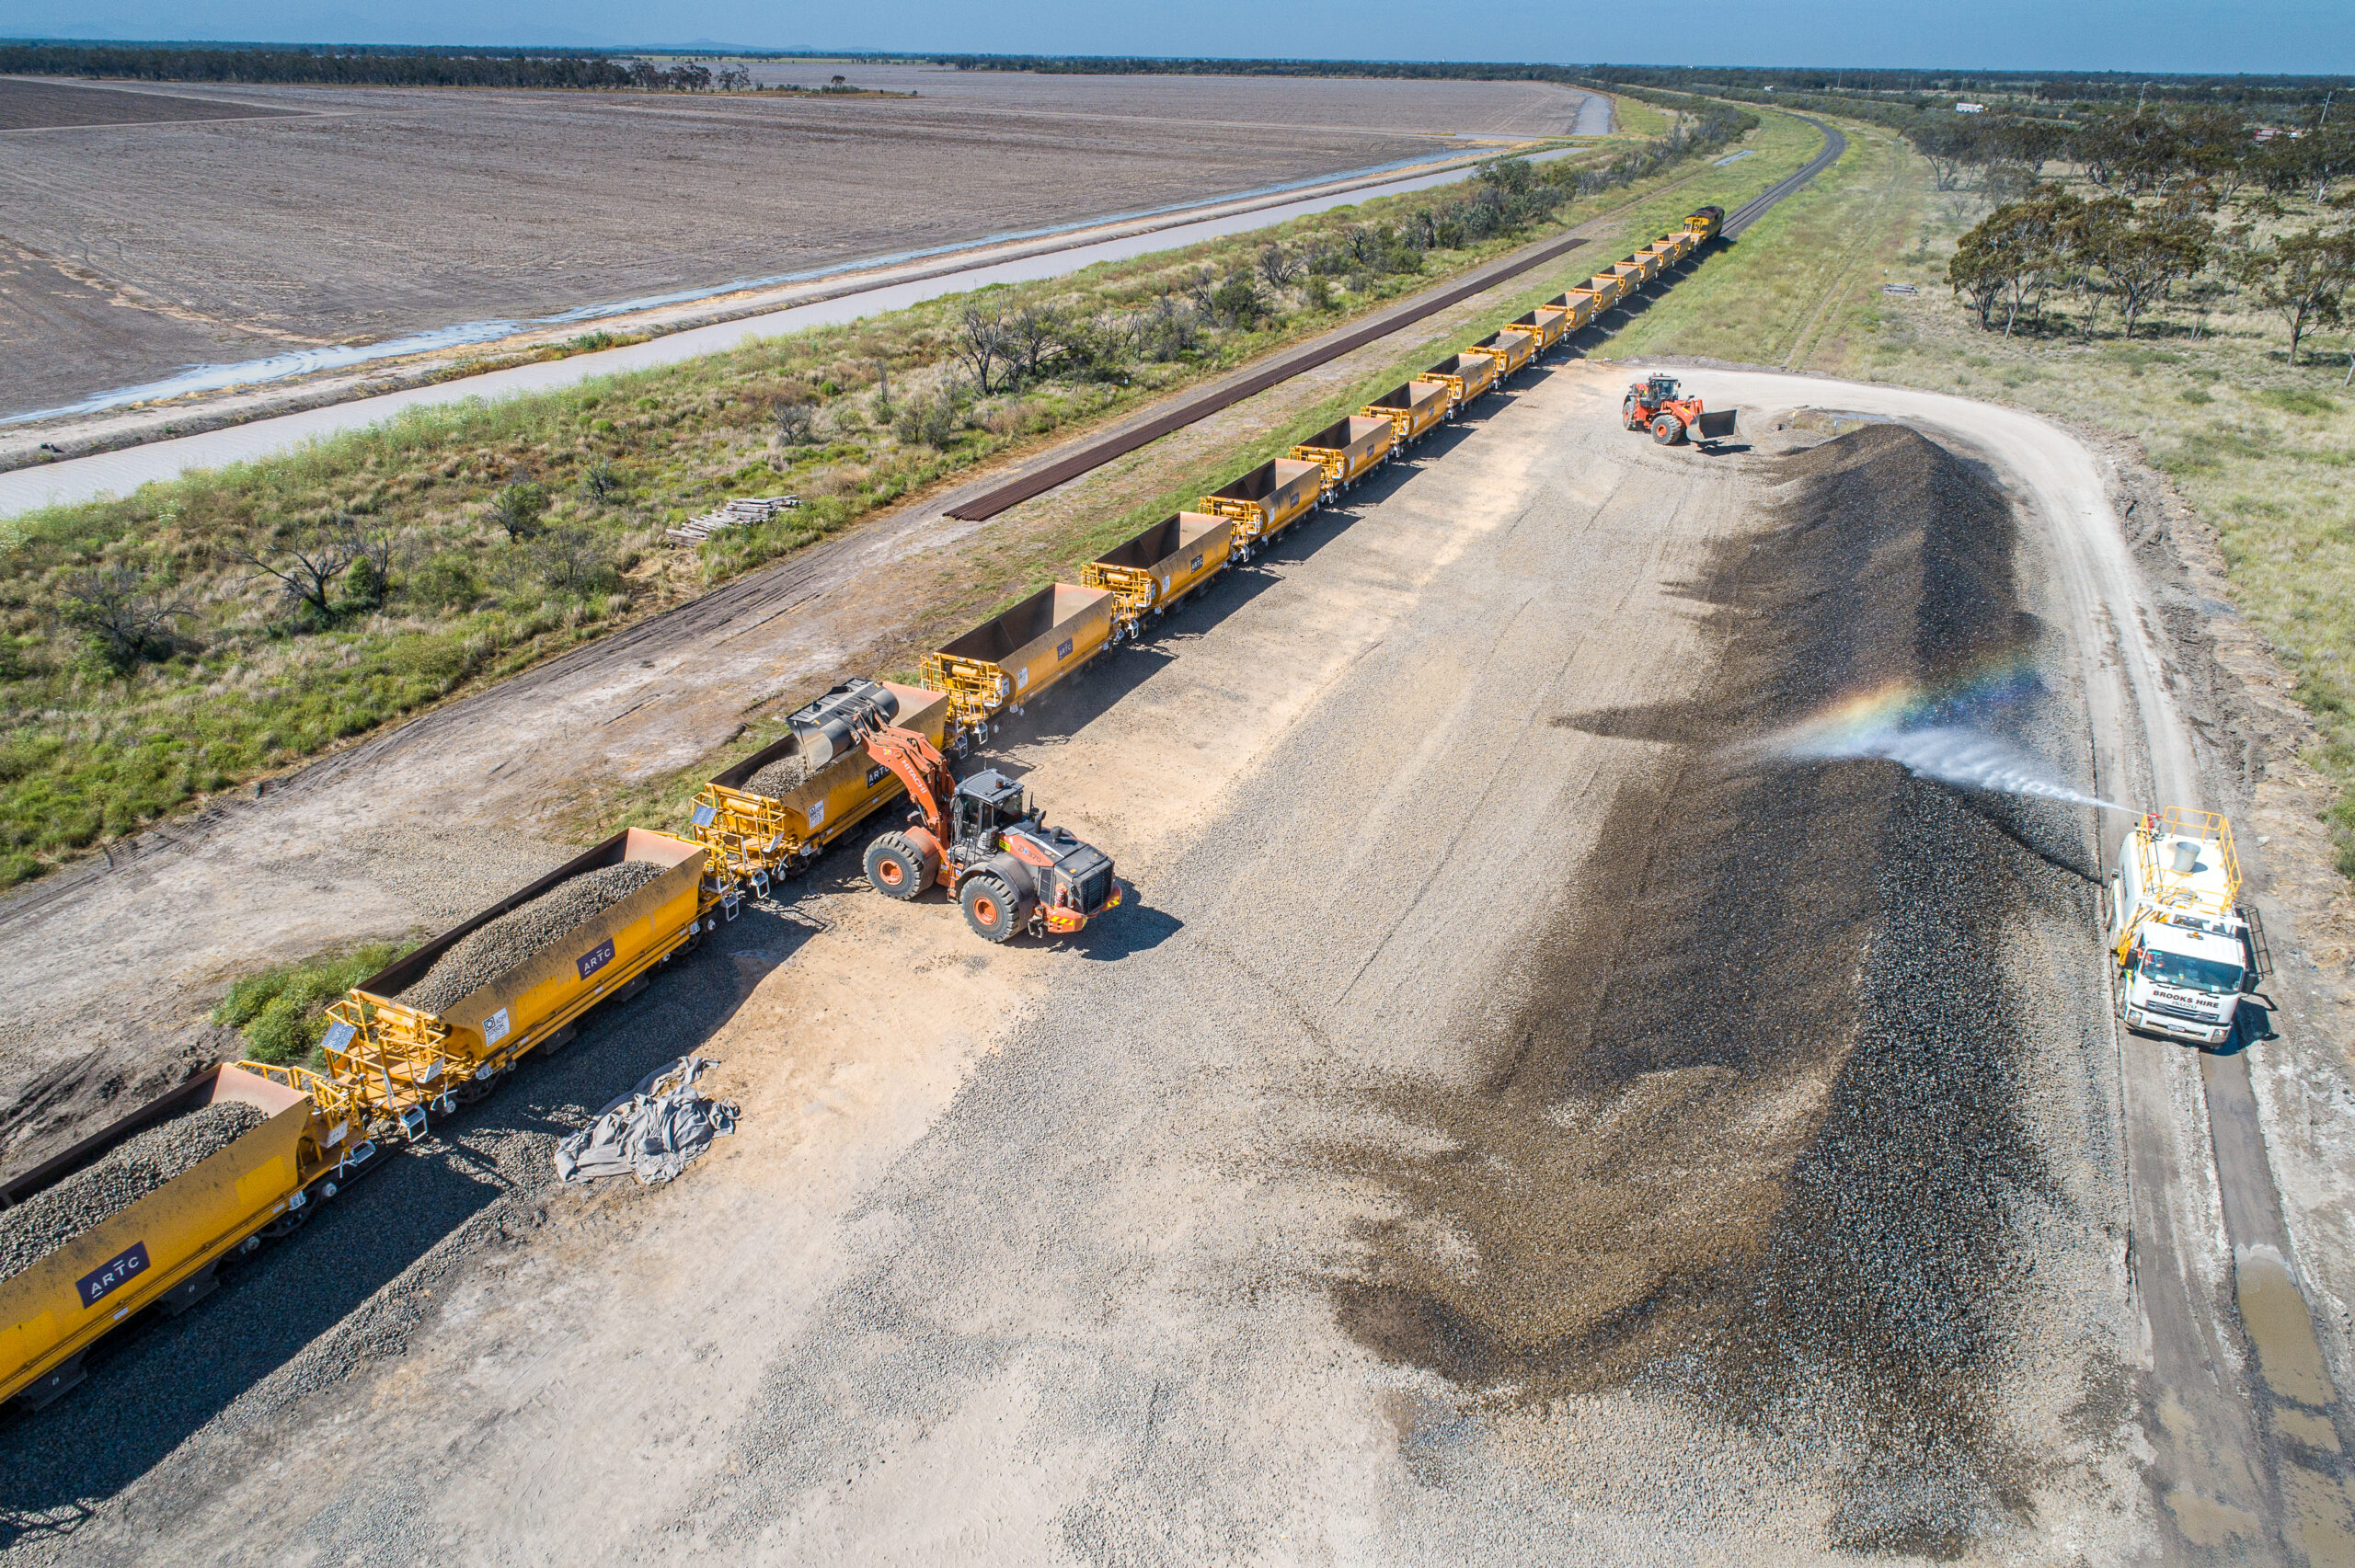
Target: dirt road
column 1110, row 1252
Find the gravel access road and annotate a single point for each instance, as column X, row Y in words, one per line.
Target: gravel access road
column 425, row 825
column 1049, row 1253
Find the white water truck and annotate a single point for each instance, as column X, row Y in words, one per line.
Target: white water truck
column 2188, row 950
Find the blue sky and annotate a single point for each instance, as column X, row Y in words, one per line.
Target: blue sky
column 2305, row 35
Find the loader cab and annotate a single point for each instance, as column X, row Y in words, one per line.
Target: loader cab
column 1660, row 389
column 985, row 805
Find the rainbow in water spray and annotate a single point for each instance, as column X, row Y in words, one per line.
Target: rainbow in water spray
column 1928, row 731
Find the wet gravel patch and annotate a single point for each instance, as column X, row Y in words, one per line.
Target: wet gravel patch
column 520, row 934
column 780, row 777
column 96, row 1194
column 1756, row 1135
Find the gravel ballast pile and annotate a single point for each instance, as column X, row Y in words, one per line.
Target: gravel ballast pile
column 521, row 933
column 91, row 1196
column 1801, row 961
column 780, row 777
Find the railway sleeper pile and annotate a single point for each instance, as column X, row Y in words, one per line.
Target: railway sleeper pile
column 248, row 1148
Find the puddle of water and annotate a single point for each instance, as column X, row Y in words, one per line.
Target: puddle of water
column 2274, row 1316
column 2205, row 1522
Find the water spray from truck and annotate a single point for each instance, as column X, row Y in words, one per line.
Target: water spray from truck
column 1933, row 733
column 2186, row 946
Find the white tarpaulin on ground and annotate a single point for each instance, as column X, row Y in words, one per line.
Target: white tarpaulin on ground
column 653, row 1132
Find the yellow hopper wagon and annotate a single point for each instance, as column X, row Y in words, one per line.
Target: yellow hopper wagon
column 1510, row 349
column 1467, row 376
column 1160, row 567
column 1547, row 324
column 1266, row 501
column 1579, row 307
column 251, row 1173
column 1006, row 661
column 400, row 1047
column 775, row 811
column 1413, row 408
column 1609, row 289
column 1348, row 450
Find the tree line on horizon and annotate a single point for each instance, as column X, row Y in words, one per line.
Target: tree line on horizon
column 2143, row 203
column 1919, row 86
column 365, row 67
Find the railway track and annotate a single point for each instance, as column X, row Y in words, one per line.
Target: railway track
column 776, row 591
column 1758, row 206
column 1063, row 467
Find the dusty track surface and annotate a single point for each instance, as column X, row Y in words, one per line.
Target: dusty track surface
column 2241, row 1393
column 1141, row 1248
column 373, row 212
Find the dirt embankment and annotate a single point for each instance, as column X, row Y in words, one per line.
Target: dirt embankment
column 1751, row 1127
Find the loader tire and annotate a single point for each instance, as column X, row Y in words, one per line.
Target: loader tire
column 1668, row 429
column 991, row 908
column 897, row 868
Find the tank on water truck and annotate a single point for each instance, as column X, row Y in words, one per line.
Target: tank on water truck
column 2188, row 950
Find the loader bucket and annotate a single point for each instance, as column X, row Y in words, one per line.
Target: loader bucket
column 1714, row 425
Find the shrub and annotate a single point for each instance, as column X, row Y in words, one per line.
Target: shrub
column 364, row 585
column 927, row 421
column 282, row 1012
column 1237, row 302
column 519, row 506
column 796, row 425
column 446, row 581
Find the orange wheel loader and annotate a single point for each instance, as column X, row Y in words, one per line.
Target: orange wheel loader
column 985, row 843
column 1654, row 404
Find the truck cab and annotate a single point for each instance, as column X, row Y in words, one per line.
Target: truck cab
column 2186, row 951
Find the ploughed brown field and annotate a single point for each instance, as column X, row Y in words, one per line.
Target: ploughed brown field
column 138, row 240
